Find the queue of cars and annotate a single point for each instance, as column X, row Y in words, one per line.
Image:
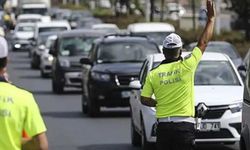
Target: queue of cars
column 110, row 68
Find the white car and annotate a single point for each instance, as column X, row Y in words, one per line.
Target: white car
column 53, row 26
column 33, row 18
column 109, row 27
column 46, row 59
column 155, row 30
column 23, row 36
column 245, row 132
column 217, row 84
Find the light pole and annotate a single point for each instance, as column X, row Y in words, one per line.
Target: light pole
column 218, row 18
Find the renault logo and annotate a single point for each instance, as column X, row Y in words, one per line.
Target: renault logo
column 201, row 109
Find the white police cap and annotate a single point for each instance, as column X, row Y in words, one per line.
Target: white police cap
column 172, row 41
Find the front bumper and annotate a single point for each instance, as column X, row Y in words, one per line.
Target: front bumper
column 22, row 45
column 73, row 79
column 109, row 94
column 229, row 130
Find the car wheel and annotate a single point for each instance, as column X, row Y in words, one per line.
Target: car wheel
column 84, row 105
column 242, row 144
column 145, row 145
column 93, row 106
column 43, row 74
column 135, row 136
column 57, row 87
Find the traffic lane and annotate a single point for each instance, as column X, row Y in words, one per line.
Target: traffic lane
column 68, row 129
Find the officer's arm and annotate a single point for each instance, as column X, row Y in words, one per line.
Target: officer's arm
column 38, row 142
column 148, row 101
column 208, row 31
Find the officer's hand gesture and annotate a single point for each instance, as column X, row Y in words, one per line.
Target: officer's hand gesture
column 211, row 12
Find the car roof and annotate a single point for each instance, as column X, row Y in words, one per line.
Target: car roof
column 52, row 24
column 104, row 25
column 81, row 32
column 212, row 42
column 26, row 24
column 29, row 16
column 124, row 39
column 39, row 5
column 151, row 27
column 207, row 56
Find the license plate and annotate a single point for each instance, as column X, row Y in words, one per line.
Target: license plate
column 210, row 126
column 125, row 94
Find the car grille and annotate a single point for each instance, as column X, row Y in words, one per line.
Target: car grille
column 75, row 80
column 122, row 80
column 223, row 133
column 215, row 112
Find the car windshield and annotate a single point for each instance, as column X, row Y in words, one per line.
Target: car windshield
column 29, row 20
column 42, row 38
column 157, row 37
column 215, row 73
column 73, row 46
column 220, row 48
column 52, row 29
column 125, row 51
column 40, row 11
column 26, row 28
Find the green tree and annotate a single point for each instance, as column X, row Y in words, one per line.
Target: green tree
column 242, row 8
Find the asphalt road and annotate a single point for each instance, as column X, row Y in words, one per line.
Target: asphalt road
column 68, row 129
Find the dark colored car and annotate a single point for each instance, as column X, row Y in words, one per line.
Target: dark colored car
column 221, row 47
column 114, row 61
column 245, row 131
column 70, row 46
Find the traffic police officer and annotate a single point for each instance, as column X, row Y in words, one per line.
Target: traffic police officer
column 18, row 113
column 172, row 84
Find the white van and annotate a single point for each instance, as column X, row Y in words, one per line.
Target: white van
column 155, row 30
column 245, row 131
column 53, row 26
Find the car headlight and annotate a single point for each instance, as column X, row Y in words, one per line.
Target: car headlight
column 49, row 58
column 100, row 76
column 17, row 45
column 64, row 63
column 236, row 107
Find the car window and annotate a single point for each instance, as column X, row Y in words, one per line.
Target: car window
column 157, row 37
column 25, row 28
column 125, row 51
column 42, row 38
column 51, row 29
column 72, row 46
column 40, row 11
column 29, row 20
column 215, row 73
column 223, row 48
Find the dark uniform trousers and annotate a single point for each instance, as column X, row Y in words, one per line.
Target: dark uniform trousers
column 175, row 136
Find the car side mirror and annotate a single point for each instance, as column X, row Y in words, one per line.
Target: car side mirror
column 136, row 85
column 85, row 61
column 242, row 68
column 242, row 71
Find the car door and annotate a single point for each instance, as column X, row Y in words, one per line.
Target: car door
column 137, row 95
